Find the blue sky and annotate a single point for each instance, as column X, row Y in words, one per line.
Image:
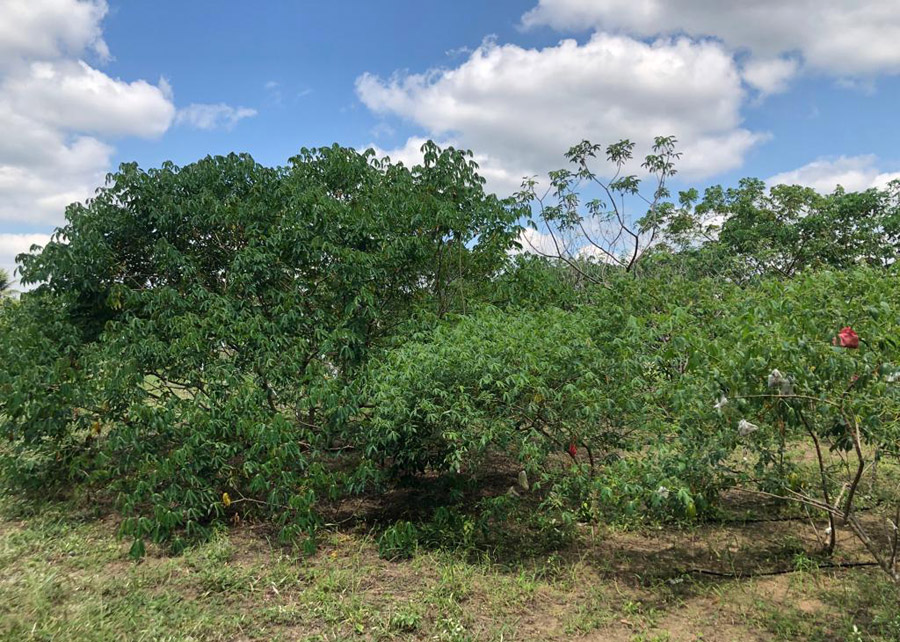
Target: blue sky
column 797, row 91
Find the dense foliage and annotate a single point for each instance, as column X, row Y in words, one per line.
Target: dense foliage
column 227, row 341
column 209, row 323
column 750, row 232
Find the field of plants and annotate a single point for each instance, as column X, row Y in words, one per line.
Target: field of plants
column 348, row 399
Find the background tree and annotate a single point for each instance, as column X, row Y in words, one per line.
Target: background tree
column 751, row 231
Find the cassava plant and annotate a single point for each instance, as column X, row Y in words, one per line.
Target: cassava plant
column 581, row 400
column 809, row 369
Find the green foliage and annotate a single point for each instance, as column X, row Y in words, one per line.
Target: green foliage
column 489, row 382
column 399, row 540
column 791, row 327
column 596, row 226
column 534, row 282
column 202, row 328
column 228, row 341
column 792, row 228
column 577, row 398
column 41, row 385
column 750, row 231
column 650, row 384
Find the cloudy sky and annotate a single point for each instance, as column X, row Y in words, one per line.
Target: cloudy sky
column 798, row 91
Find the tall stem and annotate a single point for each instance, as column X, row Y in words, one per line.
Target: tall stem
column 829, row 548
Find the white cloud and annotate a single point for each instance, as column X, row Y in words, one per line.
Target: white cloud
column 212, row 116
column 711, row 154
column 522, row 108
column 770, row 75
column 73, row 96
column 540, row 243
column 844, row 37
column 49, row 29
column 609, row 255
column 42, row 170
column 57, row 111
column 601, row 247
column 410, row 154
column 853, row 173
column 12, row 245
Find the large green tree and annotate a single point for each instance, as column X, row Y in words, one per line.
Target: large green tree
column 216, row 317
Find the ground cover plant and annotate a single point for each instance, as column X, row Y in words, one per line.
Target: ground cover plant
column 348, row 348
column 66, row 576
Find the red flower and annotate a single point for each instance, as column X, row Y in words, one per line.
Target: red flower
column 846, row 338
column 572, row 449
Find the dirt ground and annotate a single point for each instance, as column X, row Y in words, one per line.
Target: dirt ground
column 65, row 576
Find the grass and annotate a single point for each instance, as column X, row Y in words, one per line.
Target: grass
column 65, row 576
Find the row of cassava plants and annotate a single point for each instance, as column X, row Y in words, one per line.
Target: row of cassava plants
column 659, row 394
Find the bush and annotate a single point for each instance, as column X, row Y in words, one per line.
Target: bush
column 661, row 393
column 565, row 395
column 816, row 359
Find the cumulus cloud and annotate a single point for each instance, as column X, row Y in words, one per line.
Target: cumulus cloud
column 58, row 112
column 50, row 29
column 843, row 37
column 43, row 167
column 540, row 243
column 522, row 108
column 602, row 247
column 73, row 96
column 710, row 154
column 410, row 154
column 42, row 170
column 853, row 173
column 212, row 116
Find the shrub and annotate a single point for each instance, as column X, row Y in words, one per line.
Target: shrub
column 660, row 394
column 565, row 395
column 816, row 359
